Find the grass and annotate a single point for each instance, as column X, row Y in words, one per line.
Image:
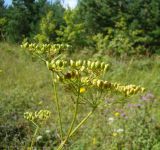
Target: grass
column 25, row 84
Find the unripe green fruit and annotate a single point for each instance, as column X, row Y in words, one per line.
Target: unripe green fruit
column 100, row 83
column 25, row 45
column 57, row 63
column 79, row 62
column 115, row 85
column 93, row 65
column 59, row 78
column 131, row 91
column 72, row 63
column 77, row 74
column 49, row 66
column 97, row 64
column 84, row 63
column 127, row 93
column 89, row 64
column 106, row 68
column 94, row 82
column 60, row 64
column 142, row 89
column 30, row 46
column 102, row 65
column 82, row 68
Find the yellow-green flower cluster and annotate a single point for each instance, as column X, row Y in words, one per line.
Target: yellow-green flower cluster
column 79, row 65
column 69, row 68
column 41, row 115
column 56, row 65
column 49, row 50
column 101, row 84
column 80, row 70
column 45, row 47
column 128, row 89
column 89, row 65
column 71, row 75
column 85, row 72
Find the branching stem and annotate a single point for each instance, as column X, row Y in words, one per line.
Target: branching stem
column 35, row 133
column 82, row 122
column 72, row 123
column 58, row 106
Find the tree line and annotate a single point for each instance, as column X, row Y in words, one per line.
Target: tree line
column 106, row 26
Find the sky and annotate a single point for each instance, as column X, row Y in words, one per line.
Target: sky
column 70, row 3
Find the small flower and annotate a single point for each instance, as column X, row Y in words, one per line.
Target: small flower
column 82, row 90
column 47, row 131
column 39, row 137
column 29, row 116
column 110, row 120
column 148, row 97
column 117, row 114
column 114, row 134
column 124, row 115
column 94, row 141
column 119, row 130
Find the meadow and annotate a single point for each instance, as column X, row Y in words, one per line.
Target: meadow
column 131, row 124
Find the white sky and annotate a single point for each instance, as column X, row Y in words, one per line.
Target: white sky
column 66, row 3
column 70, row 3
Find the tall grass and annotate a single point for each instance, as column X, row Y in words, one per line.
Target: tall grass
column 25, row 85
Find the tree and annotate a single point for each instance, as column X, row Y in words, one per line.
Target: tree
column 139, row 15
column 3, row 20
column 47, row 29
column 49, row 22
column 73, row 32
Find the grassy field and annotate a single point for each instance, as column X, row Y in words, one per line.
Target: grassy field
column 25, row 85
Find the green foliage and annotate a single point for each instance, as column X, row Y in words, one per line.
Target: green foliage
column 47, row 28
column 3, row 22
column 50, row 21
column 124, row 27
column 73, row 32
column 120, row 41
column 99, row 17
column 25, row 86
column 18, row 25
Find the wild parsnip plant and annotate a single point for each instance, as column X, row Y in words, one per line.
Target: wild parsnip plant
column 84, row 79
column 37, row 118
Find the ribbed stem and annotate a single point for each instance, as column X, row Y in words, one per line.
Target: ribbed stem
column 33, row 138
column 72, row 124
column 82, row 122
column 57, row 106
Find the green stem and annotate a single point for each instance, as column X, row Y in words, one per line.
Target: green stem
column 58, row 107
column 82, row 122
column 35, row 133
column 72, row 124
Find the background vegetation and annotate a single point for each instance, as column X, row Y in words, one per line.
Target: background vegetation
column 125, row 34
column 113, row 27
